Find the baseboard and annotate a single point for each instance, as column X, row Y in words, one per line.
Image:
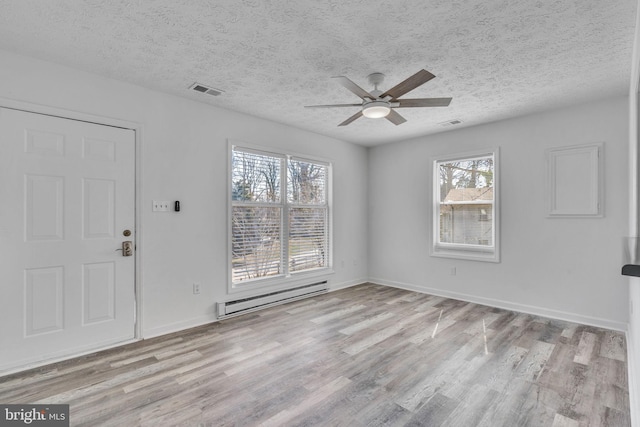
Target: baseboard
column 634, row 392
column 37, row 361
column 179, row 326
column 343, row 285
column 507, row 305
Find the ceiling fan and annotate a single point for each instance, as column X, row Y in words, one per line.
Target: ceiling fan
column 377, row 104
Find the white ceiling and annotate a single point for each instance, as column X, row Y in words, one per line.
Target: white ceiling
column 495, row 58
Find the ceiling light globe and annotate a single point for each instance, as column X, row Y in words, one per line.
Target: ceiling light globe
column 376, row 109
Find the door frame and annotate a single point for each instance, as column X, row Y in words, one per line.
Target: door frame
column 137, row 128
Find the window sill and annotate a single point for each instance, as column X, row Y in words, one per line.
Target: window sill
column 471, row 255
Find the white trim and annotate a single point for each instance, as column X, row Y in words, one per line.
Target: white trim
column 139, row 249
column 469, row 202
column 466, row 155
column 468, row 254
column 507, row 305
column 348, row 284
column 37, row 361
column 180, row 326
column 632, row 377
column 307, row 159
column 276, row 152
column 257, row 151
column 67, row 114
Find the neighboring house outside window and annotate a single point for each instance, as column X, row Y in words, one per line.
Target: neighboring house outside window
column 465, row 207
column 465, row 216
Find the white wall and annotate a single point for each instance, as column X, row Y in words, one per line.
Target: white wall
column 184, row 157
column 563, row 268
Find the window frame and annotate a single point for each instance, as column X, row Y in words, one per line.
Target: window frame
column 286, row 278
column 460, row 250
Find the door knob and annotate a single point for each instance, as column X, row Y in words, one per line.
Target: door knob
column 127, row 248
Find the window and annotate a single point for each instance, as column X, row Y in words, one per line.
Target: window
column 279, row 216
column 465, row 207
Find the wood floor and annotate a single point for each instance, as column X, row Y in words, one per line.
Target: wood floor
column 363, row 356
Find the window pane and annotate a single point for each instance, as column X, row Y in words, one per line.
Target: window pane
column 307, row 238
column 306, row 182
column 466, row 201
column 466, row 224
column 255, row 242
column 255, row 177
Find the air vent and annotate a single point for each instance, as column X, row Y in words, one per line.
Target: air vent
column 451, row 122
column 205, row 89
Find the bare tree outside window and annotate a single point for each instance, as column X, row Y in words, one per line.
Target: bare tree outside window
column 256, row 216
column 306, row 183
column 306, row 193
column 255, row 178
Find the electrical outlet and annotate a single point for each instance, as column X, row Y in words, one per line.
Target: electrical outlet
column 161, row 205
column 453, row 271
column 196, row 288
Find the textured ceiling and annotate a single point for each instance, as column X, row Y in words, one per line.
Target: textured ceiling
column 495, row 58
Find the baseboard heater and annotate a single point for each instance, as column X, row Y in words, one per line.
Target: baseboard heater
column 247, row 305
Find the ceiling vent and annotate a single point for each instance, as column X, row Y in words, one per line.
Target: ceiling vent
column 205, row 89
column 451, row 122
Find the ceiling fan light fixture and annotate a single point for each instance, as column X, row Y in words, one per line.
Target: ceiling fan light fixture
column 376, row 109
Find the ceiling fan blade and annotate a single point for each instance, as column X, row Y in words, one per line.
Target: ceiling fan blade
column 348, row 84
column 419, row 78
column 333, row 105
column 351, row 119
column 423, row 102
column 395, row 118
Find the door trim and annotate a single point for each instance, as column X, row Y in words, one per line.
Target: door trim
column 137, row 128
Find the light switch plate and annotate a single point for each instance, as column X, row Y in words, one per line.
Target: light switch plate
column 161, row 205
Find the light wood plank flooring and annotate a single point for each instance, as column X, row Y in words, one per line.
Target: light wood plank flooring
column 364, row 356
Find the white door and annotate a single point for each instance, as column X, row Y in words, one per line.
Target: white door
column 67, row 199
